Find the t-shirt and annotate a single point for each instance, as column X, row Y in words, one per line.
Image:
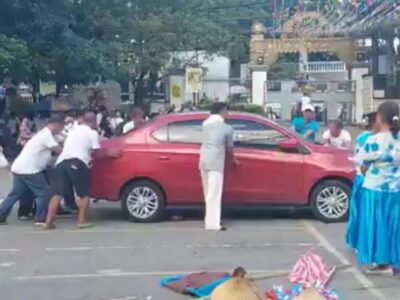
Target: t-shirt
column 114, row 122
column 36, row 154
column 305, row 101
column 99, row 117
column 299, row 125
column 341, row 142
column 128, row 127
column 80, row 142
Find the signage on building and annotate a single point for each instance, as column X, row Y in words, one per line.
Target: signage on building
column 194, row 80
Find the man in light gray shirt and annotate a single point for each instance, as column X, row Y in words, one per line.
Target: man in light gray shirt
column 217, row 142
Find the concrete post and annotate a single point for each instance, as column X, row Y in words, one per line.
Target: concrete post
column 357, row 76
column 259, row 85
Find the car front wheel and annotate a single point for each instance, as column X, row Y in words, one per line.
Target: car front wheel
column 143, row 201
column 330, row 201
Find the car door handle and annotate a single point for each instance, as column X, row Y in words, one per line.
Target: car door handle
column 164, row 158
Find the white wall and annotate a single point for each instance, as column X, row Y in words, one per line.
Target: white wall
column 216, row 66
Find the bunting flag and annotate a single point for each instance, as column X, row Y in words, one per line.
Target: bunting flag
column 343, row 16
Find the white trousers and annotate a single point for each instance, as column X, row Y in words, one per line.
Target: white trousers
column 213, row 183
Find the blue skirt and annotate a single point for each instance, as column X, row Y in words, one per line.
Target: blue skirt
column 379, row 228
column 352, row 225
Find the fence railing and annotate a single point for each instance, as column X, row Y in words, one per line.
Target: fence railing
column 312, row 86
column 323, row 67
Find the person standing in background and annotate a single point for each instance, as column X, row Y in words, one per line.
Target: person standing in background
column 25, row 132
column 306, row 126
column 105, row 127
column 352, row 224
column 305, row 100
column 336, row 136
column 217, row 142
column 136, row 121
column 99, row 116
column 116, row 120
column 378, row 243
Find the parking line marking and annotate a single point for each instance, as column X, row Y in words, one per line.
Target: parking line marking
column 361, row 278
column 144, row 229
column 188, row 246
column 7, row 264
column 102, row 274
column 9, row 250
column 69, row 249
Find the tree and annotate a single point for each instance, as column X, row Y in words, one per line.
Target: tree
column 149, row 31
column 83, row 41
column 14, row 59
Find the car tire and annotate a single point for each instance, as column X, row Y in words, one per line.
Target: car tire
column 155, row 202
column 336, row 191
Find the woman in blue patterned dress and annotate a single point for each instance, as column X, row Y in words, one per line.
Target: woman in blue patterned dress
column 352, row 225
column 378, row 243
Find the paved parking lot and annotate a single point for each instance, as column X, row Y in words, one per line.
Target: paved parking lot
column 120, row 260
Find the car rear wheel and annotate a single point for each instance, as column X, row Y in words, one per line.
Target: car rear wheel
column 330, row 201
column 143, row 201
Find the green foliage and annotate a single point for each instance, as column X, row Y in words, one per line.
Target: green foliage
column 83, row 40
column 14, row 58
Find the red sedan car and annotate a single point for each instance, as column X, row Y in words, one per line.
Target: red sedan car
column 159, row 169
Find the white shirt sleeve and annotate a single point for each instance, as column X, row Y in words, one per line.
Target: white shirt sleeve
column 49, row 141
column 326, row 135
column 95, row 140
column 128, row 127
column 346, row 136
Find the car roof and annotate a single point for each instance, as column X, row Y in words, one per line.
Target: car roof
column 206, row 113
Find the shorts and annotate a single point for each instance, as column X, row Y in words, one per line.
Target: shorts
column 71, row 172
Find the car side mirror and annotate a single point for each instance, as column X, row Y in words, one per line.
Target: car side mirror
column 288, row 145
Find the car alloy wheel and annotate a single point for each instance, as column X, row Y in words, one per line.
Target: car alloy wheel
column 332, row 202
column 142, row 202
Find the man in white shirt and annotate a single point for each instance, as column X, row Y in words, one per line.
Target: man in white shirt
column 336, row 136
column 136, row 121
column 28, row 170
column 72, row 168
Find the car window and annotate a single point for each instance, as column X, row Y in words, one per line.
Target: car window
column 187, row 132
column 255, row 134
column 161, row 134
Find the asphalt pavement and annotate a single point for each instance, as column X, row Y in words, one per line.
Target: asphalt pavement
column 118, row 260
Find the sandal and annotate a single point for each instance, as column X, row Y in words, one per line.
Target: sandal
column 85, row 226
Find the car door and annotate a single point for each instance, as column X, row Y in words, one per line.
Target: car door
column 265, row 174
column 177, row 157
